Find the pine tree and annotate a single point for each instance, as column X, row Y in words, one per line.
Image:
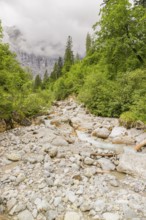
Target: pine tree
column 77, row 58
column 45, row 80
column 37, row 82
column 60, row 65
column 54, row 72
column 68, row 57
column 88, row 43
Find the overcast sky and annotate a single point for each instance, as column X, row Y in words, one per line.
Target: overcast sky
column 47, row 23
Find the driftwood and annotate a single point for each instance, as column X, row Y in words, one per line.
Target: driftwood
column 103, row 154
column 139, row 146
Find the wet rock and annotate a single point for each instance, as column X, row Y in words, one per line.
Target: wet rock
column 25, row 215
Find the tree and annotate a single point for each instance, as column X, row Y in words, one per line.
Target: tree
column 60, row 66
column 121, row 40
column 88, row 43
column 68, row 57
column 140, row 2
column 77, row 58
column 37, row 82
column 57, row 69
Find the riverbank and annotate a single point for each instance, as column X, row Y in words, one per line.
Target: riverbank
column 68, row 168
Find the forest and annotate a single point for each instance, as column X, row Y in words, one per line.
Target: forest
column 110, row 80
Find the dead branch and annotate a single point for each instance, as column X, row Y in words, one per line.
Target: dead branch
column 139, row 146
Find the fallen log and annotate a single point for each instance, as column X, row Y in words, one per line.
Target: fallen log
column 139, row 146
column 103, row 154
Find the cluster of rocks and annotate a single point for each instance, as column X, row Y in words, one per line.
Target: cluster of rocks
column 61, row 170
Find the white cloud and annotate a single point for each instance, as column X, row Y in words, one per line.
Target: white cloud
column 51, row 21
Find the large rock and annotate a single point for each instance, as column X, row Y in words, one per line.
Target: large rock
column 59, row 141
column 118, row 131
column 133, row 163
column 101, row 133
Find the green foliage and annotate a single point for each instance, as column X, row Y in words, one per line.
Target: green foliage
column 121, row 40
column 17, row 93
column 37, row 82
column 57, row 70
column 68, row 57
column 88, row 43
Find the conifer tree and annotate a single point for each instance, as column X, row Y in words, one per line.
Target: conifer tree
column 37, row 82
column 68, row 57
column 60, row 65
column 88, row 43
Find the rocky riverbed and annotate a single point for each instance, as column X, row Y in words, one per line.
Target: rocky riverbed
column 71, row 167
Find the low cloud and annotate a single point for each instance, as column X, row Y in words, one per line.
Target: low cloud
column 46, row 24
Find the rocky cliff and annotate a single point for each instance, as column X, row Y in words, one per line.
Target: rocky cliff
column 35, row 61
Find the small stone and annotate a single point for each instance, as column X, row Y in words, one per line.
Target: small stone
column 71, row 196
column 50, row 182
column 20, row 178
column 57, row 201
column 99, row 205
column 53, row 152
column 77, row 177
column 42, row 205
column 89, row 172
column 25, row 215
column 114, row 183
column 86, row 206
column 88, row 161
column 51, row 215
column 14, row 157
